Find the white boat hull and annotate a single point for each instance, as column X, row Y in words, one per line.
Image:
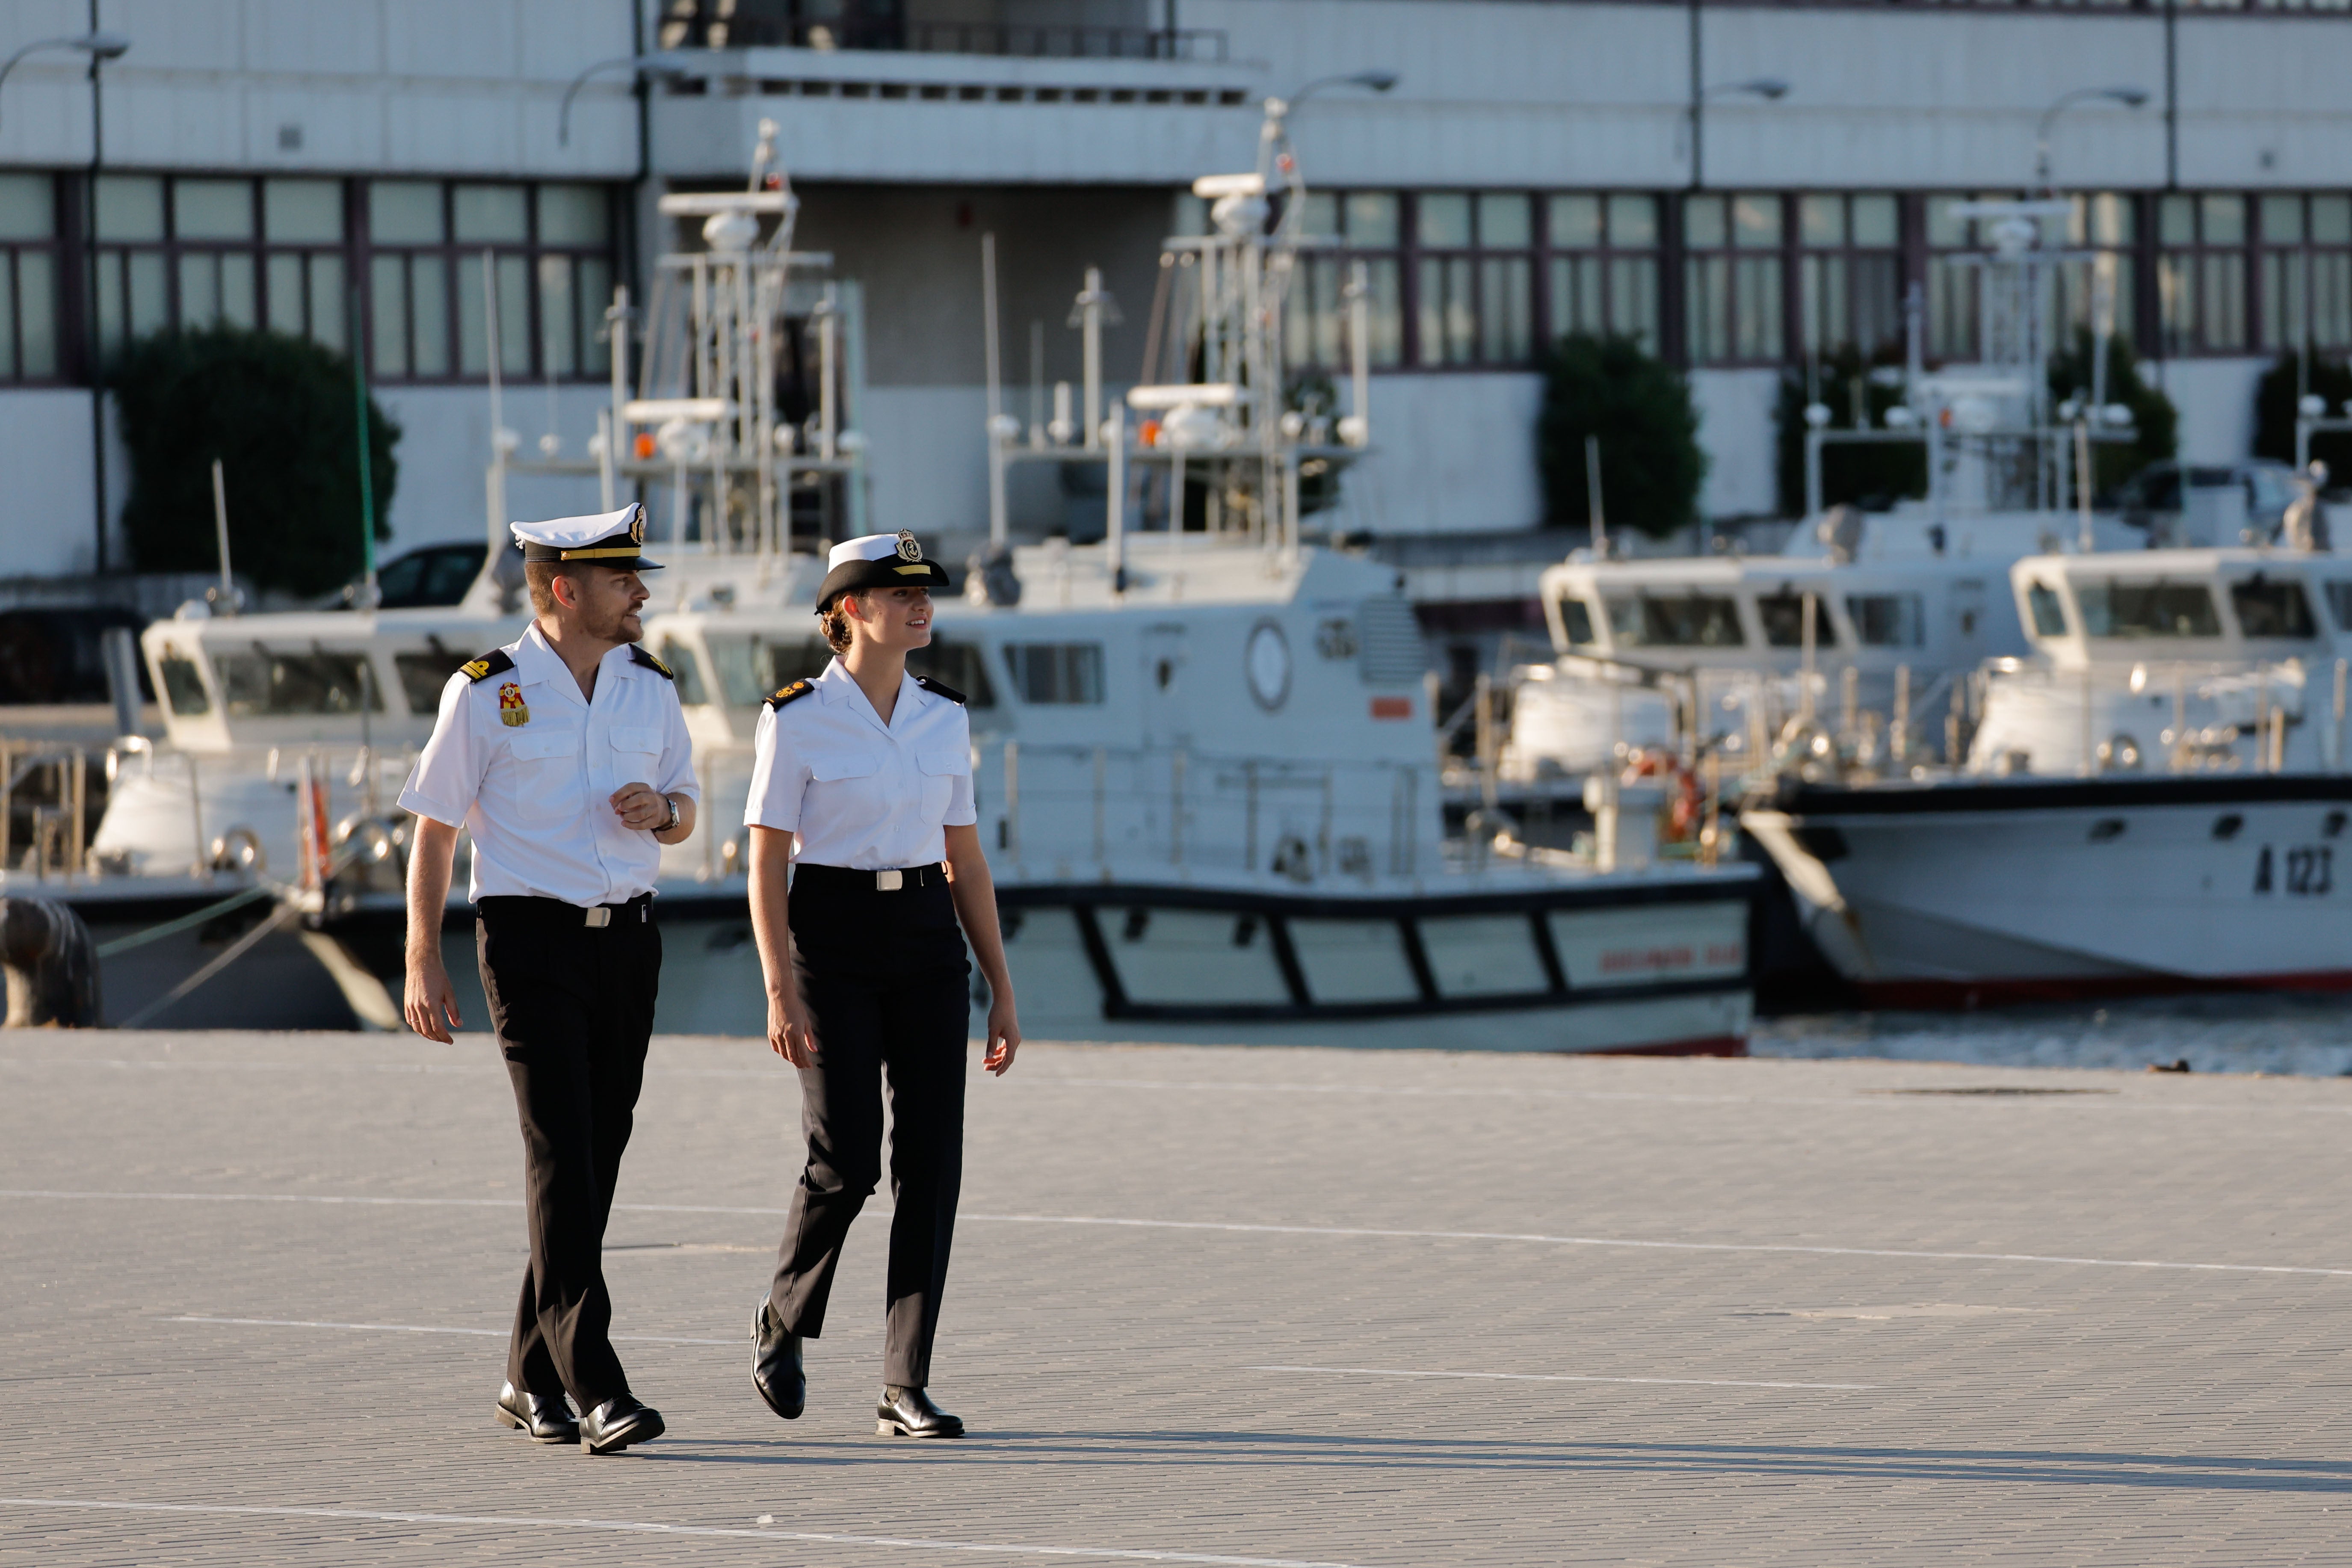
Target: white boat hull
column 1967, row 892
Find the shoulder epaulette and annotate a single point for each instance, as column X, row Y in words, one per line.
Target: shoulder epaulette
column 792, row 693
column 939, row 690
column 495, row 662
column 639, row 655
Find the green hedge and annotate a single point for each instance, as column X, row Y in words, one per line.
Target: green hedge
column 1651, row 462
column 280, row 415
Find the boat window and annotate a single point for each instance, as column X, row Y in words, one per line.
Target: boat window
column 2049, row 615
column 959, row 664
column 1685, row 620
column 424, row 676
column 1048, row 672
column 1783, row 616
column 184, row 684
column 2147, row 610
column 1887, row 620
column 749, row 667
column 2267, row 609
column 262, row 684
column 1576, row 620
column 2339, row 604
column 686, row 670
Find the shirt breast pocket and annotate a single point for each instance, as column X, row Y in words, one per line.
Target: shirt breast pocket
column 636, row 753
column 543, row 783
column 940, row 769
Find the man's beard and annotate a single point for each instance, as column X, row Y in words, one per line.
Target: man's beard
column 615, row 627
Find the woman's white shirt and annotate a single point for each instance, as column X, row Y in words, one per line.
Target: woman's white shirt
column 856, row 791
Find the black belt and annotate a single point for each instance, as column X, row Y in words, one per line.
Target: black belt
column 841, row 879
column 556, row 913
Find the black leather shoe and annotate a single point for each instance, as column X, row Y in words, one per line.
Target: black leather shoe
column 776, row 1365
column 617, row 1423
column 548, row 1419
column 909, row 1412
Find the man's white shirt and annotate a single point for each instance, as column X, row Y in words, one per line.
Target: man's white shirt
column 854, row 791
column 537, row 795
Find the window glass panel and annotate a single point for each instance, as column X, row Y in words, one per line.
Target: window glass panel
column 328, row 299
column 596, row 295
column 36, row 309
column 1319, row 218
column 572, row 215
column 1681, row 620
column 2049, row 617
column 2147, row 610
column 405, row 212
column 1887, row 620
column 1633, row 298
column 514, row 316
column 2331, row 220
column 1574, row 222
column 2282, row 219
column 2225, row 220
column 1756, row 310
column 148, row 308
column 2177, row 222
column 212, row 209
column 1633, row 222
column 1702, row 221
column 2271, row 609
column 1386, row 276
column 183, row 685
column 259, row 683
column 428, row 283
column 492, row 214
column 388, row 313
column 1945, row 228
column 1706, row 290
column 963, row 666
column 1505, row 222
column 27, row 207
column 1756, row 221
column 286, row 313
column 1447, row 320
column 129, row 206
column 8, row 318
column 1576, row 295
column 1876, row 221
column 303, row 211
column 110, row 302
column 1575, row 620
column 1191, row 215
column 555, row 315
column 2112, row 218
column 1371, row 219
column 2339, row 604
column 1782, row 616
column 1821, row 220
column 199, row 289
column 1506, row 310
column 238, row 293
column 1056, row 673
column 1445, row 219
column 2225, row 305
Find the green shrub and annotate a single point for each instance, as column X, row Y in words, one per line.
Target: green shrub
column 280, row 415
column 2155, row 422
column 1651, row 462
column 1873, row 475
column 2274, row 401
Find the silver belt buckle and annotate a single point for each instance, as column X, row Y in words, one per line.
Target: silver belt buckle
column 889, row 882
column 599, row 917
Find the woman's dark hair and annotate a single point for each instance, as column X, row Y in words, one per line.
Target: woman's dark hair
column 834, row 623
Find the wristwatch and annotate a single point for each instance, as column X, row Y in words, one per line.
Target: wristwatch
column 666, row 826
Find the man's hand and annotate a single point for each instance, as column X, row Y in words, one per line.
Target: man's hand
column 1003, row 1034
column 791, row 1033
column 641, row 808
column 429, row 1000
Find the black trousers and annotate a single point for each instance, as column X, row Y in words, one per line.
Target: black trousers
column 572, row 1005
column 888, row 985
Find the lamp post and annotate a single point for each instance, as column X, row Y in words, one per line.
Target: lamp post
column 1377, row 81
column 99, row 47
column 660, row 62
column 2130, row 97
column 1770, row 88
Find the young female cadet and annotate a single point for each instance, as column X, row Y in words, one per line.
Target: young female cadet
column 861, row 786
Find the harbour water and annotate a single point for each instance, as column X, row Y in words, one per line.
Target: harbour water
column 2287, row 1035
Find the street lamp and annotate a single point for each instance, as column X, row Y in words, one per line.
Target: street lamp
column 1770, row 88
column 661, row 63
column 2130, row 97
column 1377, row 81
column 97, row 46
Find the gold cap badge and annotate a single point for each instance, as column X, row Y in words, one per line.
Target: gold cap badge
column 908, row 549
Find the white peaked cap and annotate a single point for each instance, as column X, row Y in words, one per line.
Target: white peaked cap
column 865, row 547
column 577, row 532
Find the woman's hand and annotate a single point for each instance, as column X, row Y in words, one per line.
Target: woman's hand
column 791, row 1034
column 1004, row 1033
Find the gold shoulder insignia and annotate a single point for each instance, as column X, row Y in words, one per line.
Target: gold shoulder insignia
column 475, row 669
column 639, row 654
column 495, row 662
column 792, row 693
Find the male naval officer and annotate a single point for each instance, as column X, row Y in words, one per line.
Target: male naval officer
column 565, row 755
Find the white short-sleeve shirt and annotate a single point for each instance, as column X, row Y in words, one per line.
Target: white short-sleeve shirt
column 858, row 793
column 536, row 794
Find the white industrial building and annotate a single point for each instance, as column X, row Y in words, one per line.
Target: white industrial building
column 1540, row 165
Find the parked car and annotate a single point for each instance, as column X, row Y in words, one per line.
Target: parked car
column 433, row 574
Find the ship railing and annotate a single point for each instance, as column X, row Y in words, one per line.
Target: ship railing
column 1176, row 811
column 2222, row 714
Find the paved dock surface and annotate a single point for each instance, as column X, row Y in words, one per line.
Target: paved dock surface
column 1219, row 1305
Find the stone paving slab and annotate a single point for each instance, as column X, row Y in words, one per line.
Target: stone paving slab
column 1209, row 1305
